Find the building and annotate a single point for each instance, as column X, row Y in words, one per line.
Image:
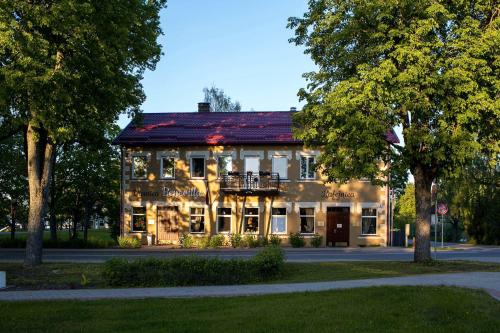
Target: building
column 207, row 173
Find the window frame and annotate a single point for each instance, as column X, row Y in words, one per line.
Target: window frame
column 286, row 221
column 275, row 157
column 304, row 215
column 218, row 164
column 162, row 167
column 191, row 169
column 307, row 157
column 369, row 216
column 132, row 174
column 245, row 215
column 224, row 215
column 196, row 215
column 145, row 220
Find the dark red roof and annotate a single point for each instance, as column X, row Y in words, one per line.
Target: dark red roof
column 213, row 128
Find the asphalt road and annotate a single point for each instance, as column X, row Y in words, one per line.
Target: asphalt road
column 479, row 253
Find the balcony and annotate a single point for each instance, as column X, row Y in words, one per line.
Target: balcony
column 263, row 183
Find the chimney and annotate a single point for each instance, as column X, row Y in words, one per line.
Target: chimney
column 203, row 107
column 293, row 109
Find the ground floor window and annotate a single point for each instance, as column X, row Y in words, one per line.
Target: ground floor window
column 223, row 219
column 369, row 221
column 278, row 221
column 139, row 219
column 306, row 220
column 251, row 219
column 197, row 220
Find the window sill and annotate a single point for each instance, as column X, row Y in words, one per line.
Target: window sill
column 197, row 232
column 308, row 181
column 139, row 179
column 197, row 178
column 168, row 179
column 369, row 236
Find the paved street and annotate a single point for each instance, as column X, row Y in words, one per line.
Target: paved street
column 479, row 253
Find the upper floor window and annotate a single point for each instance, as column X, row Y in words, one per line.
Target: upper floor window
column 139, row 167
column 369, row 221
column 280, row 166
column 224, row 164
column 198, row 167
column 307, row 165
column 168, row 167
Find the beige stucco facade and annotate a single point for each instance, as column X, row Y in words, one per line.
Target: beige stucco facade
column 184, row 193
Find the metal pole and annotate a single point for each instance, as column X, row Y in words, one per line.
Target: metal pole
column 442, row 231
column 435, row 224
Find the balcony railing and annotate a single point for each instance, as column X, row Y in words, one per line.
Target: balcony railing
column 250, row 183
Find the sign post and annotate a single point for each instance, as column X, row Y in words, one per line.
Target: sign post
column 442, row 209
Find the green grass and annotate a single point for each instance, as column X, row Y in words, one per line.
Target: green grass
column 69, row 275
column 95, row 239
column 375, row 309
column 63, row 235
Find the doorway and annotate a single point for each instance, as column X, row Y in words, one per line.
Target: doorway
column 168, row 224
column 337, row 226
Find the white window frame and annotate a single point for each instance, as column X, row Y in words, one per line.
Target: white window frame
column 202, row 215
column 307, row 166
column 245, row 220
column 191, row 169
column 145, row 156
column 313, row 216
column 286, row 221
column 217, row 157
column 286, row 170
column 223, row 215
column 132, row 219
column 161, row 167
column 369, row 216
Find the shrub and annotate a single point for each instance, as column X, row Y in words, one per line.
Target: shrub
column 274, row 240
column 263, row 241
column 216, row 241
column 316, row 240
column 296, row 239
column 235, row 240
column 251, row 241
column 202, row 242
column 186, row 241
column 129, row 242
column 269, row 262
column 60, row 244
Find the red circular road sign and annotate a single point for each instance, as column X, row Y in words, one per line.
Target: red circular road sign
column 442, row 208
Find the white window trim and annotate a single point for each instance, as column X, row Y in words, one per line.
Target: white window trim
column 314, row 220
column 148, row 159
column 279, row 153
column 231, row 153
column 194, row 205
column 217, row 162
column 132, row 219
column 244, row 162
column 299, row 158
column 230, row 220
column 161, row 167
column 258, row 219
column 191, row 169
column 371, row 216
column 198, row 153
column 272, row 165
column 286, row 221
column 167, row 153
column 303, row 204
column 251, row 153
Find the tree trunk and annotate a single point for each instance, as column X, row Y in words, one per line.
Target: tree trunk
column 423, row 205
column 86, row 221
column 52, row 202
column 40, row 163
column 13, row 211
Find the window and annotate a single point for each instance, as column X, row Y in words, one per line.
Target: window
column 224, row 165
column 139, row 219
column 278, row 221
column 306, row 220
column 223, row 219
column 369, row 221
column 139, row 167
column 280, row 166
column 252, row 164
column 251, row 219
column 168, row 167
column 307, row 167
column 197, row 220
column 197, row 167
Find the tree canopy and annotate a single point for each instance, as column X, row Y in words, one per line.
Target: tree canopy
column 219, row 101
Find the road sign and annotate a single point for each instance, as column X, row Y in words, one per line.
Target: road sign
column 442, row 208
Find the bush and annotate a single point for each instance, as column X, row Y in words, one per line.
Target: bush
column 60, row 244
column 296, row 239
column 186, row 241
column 274, row 240
column 202, row 242
column 129, row 242
column 235, row 240
column 216, row 241
column 263, row 241
column 316, row 240
column 192, row 270
column 250, row 240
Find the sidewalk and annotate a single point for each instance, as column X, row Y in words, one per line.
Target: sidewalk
column 489, row 281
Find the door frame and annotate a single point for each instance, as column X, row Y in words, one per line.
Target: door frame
column 346, row 205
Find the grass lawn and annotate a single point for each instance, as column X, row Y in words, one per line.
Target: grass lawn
column 96, row 239
column 69, row 275
column 375, row 309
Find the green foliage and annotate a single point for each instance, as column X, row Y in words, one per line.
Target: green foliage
column 129, row 242
column 78, row 243
column 216, row 241
column 186, row 241
column 202, row 242
column 316, row 240
column 296, row 239
column 192, row 270
column 220, row 102
column 235, row 240
column 275, row 240
column 404, row 208
column 251, row 241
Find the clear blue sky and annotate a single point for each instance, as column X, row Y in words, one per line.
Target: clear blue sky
column 239, row 46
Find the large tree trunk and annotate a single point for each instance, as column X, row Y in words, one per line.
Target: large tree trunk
column 423, row 205
column 40, row 163
column 52, row 202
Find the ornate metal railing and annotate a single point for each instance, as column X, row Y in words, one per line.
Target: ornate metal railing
column 263, row 182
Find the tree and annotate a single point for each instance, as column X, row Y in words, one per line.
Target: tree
column 67, row 69
column 220, row 102
column 429, row 66
column 404, row 209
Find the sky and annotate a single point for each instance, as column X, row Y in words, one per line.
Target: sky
column 239, row 46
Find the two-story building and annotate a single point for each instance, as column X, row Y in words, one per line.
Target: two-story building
column 207, row 173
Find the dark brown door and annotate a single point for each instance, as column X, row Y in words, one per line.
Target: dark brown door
column 168, row 224
column 337, row 230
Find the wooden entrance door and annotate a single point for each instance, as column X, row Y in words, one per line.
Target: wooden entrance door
column 168, row 224
column 337, row 230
